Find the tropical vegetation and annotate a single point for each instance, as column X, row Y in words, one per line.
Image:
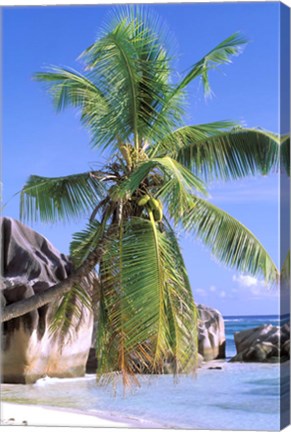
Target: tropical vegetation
column 132, row 102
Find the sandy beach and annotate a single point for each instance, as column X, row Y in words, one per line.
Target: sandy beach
column 33, row 415
column 209, row 400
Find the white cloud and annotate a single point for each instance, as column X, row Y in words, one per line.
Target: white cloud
column 246, row 280
column 212, row 288
column 257, row 287
column 222, row 294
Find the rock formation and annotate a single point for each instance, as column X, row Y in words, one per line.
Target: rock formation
column 211, row 333
column 29, row 351
column 266, row 343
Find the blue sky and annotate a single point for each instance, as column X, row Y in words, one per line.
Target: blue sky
column 36, row 140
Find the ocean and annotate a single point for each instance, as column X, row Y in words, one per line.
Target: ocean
column 239, row 323
column 239, row 396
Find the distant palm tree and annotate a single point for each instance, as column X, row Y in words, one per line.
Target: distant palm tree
column 132, row 103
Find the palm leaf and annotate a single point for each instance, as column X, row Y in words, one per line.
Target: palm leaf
column 140, row 286
column 229, row 241
column 69, row 87
column 285, row 154
column 285, row 271
column 170, row 168
column 131, row 282
column 115, row 55
column 180, row 306
column 133, row 67
column 88, row 93
column 84, row 242
column 60, row 198
column 183, row 136
column 226, row 155
column 221, row 54
column 69, row 313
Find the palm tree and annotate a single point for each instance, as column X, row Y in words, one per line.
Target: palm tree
column 132, row 103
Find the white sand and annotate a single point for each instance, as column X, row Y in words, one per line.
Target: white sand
column 34, row 415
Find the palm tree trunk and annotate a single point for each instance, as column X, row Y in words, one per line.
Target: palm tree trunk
column 24, row 306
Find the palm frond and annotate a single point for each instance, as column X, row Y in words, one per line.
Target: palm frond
column 134, row 70
column 71, row 88
column 69, row 313
column 183, row 136
column 228, row 154
column 229, row 241
column 181, row 309
column 221, row 54
column 81, row 300
column 84, row 242
column 285, row 153
column 89, row 94
column 131, row 282
column 127, row 72
column 60, row 198
column 285, row 272
column 172, row 171
column 138, row 286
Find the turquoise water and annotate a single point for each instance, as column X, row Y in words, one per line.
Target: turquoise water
column 237, row 397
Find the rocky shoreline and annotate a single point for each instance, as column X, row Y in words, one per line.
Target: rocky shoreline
column 266, row 343
column 32, row 264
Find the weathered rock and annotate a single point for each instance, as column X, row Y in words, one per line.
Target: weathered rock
column 31, row 264
column 266, row 343
column 200, row 360
column 285, row 333
column 285, row 350
column 211, row 333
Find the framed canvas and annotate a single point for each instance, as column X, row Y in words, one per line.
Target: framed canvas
column 145, row 228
